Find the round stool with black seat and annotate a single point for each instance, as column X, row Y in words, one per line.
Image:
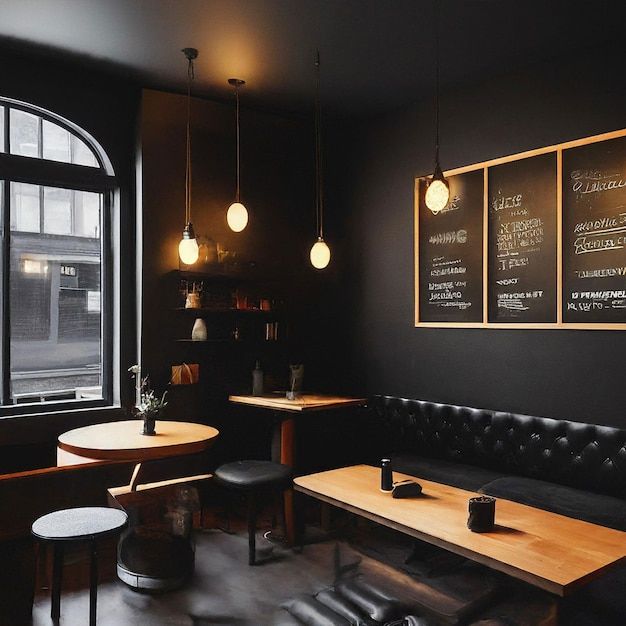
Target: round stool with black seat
column 254, row 478
column 73, row 525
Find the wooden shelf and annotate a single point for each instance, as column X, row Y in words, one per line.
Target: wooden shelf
column 211, row 311
column 234, row 341
column 216, row 276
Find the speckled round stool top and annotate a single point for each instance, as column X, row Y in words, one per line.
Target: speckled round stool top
column 86, row 522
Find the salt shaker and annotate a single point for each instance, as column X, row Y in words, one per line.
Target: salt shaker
column 386, row 475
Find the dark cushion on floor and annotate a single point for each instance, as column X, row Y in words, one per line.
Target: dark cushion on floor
column 371, row 600
column 344, row 607
column 584, row 505
column 313, row 613
column 253, row 474
column 458, row 475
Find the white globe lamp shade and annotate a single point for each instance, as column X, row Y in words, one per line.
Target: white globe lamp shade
column 437, row 195
column 188, row 249
column 320, row 254
column 237, row 217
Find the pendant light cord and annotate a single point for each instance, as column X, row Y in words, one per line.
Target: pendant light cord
column 437, row 84
column 319, row 191
column 190, row 76
column 238, row 140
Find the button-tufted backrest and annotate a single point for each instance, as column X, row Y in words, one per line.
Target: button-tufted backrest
column 569, row 453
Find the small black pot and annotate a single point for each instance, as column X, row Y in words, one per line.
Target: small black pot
column 148, row 426
column 482, row 514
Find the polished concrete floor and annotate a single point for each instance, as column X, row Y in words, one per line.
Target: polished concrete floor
column 223, row 590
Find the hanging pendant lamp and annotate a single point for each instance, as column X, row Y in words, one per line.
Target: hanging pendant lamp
column 320, row 252
column 188, row 246
column 237, row 215
column 438, row 191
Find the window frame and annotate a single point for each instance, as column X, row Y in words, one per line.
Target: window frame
column 39, row 171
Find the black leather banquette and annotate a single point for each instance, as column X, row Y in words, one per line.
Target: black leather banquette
column 571, row 468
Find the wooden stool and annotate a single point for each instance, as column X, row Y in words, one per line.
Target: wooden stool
column 253, row 478
column 73, row 525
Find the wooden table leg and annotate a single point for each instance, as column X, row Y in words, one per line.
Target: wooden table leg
column 135, row 477
column 57, row 580
column 287, row 457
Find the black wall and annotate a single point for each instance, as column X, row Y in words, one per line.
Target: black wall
column 569, row 374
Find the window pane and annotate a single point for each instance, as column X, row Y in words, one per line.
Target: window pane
column 25, row 207
column 82, row 154
column 57, row 211
column 87, row 214
column 56, row 142
column 55, row 303
column 24, row 138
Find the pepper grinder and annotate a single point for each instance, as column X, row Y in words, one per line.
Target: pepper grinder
column 386, row 475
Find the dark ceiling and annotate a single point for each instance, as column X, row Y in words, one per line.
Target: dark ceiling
column 376, row 54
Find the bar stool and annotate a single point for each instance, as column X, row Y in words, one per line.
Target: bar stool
column 73, row 525
column 254, row 478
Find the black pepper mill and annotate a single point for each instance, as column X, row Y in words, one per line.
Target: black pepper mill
column 386, row 475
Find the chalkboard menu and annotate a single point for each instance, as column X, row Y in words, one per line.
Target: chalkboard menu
column 451, row 254
column 522, row 247
column 594, row 232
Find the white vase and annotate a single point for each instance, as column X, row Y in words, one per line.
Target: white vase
column 199, row 332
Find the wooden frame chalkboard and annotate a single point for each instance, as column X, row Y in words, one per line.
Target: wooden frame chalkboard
column 571, row 214
column 450, row 285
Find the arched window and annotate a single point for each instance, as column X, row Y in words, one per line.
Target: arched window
column 57, row 187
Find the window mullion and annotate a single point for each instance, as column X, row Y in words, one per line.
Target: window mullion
column 5, row 269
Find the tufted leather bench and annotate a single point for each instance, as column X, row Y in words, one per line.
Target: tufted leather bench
column 570, row 468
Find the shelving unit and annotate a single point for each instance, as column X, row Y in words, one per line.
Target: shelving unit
column 237, row 337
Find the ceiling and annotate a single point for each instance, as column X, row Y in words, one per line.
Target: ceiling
column 376, row 54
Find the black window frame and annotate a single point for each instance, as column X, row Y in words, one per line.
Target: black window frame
column 43, row 172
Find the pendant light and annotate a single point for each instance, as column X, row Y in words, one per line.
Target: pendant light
column 320, row 252
column 188, row 247
column 237, row 215
column 438, row 191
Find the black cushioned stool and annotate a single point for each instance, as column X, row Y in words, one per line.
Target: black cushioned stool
column 74, row 525
column 254, row 478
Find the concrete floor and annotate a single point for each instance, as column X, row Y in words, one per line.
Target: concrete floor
column 223, row 590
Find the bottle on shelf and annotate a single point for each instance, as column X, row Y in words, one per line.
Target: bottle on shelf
column 257, row 380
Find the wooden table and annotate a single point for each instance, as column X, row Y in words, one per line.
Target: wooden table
column 123, row 441
column 550, row 551
column 286, row 410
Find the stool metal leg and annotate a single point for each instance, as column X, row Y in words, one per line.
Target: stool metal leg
column 93, row 585
column 57, row 579
column 251, row 529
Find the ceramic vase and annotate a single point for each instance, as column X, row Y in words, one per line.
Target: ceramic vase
column 199, row 331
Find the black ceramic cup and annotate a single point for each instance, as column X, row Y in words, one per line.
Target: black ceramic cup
column 482, row 514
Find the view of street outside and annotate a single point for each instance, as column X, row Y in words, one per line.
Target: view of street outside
column 55, row 272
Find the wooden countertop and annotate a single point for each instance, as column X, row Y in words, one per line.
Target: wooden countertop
column 303, row 403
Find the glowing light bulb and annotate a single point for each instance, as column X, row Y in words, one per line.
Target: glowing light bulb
column 237, row 217
column 320, row 254
column 437, row 195
column 188, row 249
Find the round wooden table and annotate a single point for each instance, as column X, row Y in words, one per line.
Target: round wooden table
column 123, row 441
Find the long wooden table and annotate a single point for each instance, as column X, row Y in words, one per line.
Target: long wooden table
column 550, row 551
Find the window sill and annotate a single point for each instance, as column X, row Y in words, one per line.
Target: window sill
column 89, row 407
column 29, row 428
